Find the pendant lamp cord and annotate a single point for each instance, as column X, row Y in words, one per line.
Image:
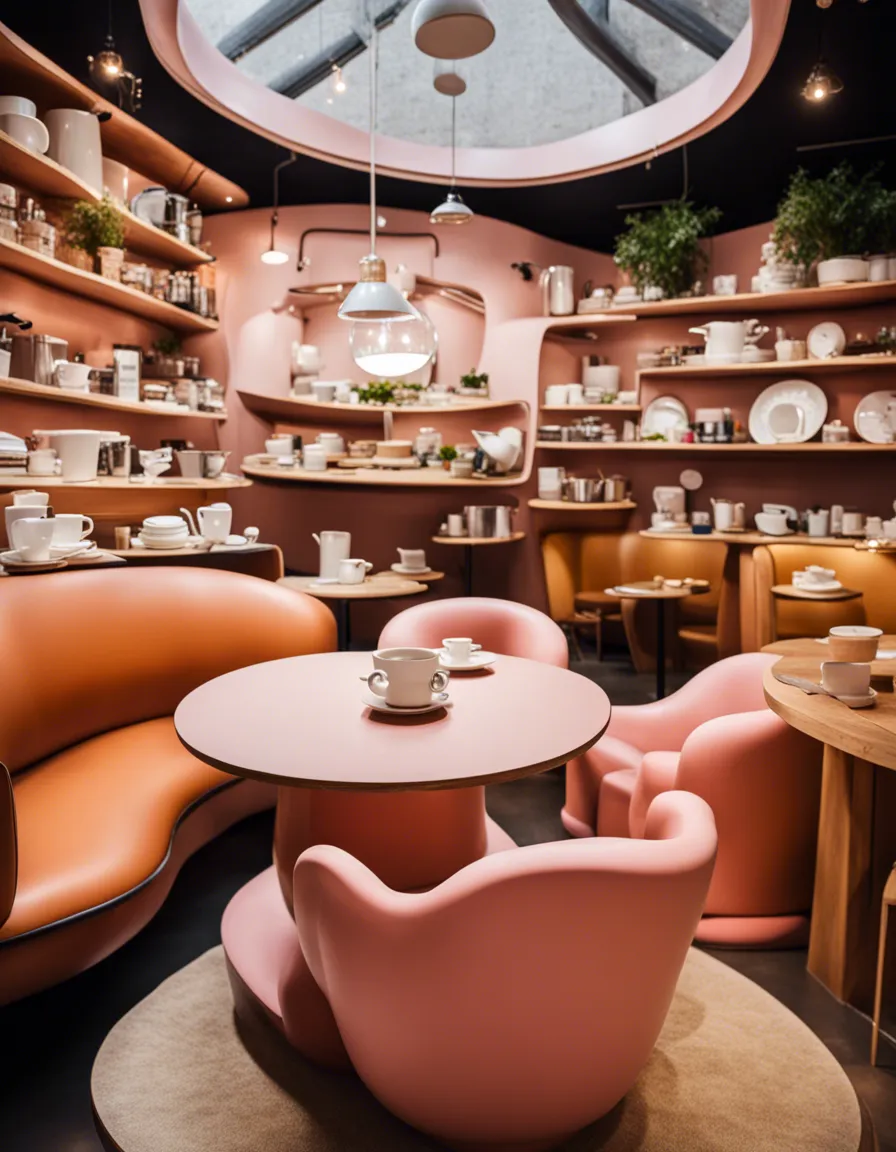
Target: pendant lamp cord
column 453, row 142
column 373, row 71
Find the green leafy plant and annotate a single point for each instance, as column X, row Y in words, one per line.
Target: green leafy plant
column 474, row 379
column 447, row 453
column 377, row 392
column 94, row 226
column 662, row 249
column 168, row 345
column 840, row 214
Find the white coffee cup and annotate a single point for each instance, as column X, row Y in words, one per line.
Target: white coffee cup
column 353, row 571
column 31, row 537
column 79, row 451
column 817, row 522
column 575, row 394
column 279, row 446
column 332, row 442
column 846, row 679
column 314, row 458
column 853, row 523
column 72, row 376
column 406, row 677
column 20, row 512
column 456, row 525
column 459, row 649
column 550, row 483
column 70, row 527
column 556, row 394
column 42, row 462
column 412, row 558
column 324, row 393
column 889, row 527
column 31, row 499
column 215, row 521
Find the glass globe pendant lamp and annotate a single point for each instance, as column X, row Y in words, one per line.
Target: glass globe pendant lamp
column 388, row 351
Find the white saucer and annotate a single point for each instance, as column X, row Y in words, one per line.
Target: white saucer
column 61, row 551
column 403, row 570
column 477, row 660
column 828, row 586
column 12, row 560
column 378, row 704
column 859, row 701
column 326, row 580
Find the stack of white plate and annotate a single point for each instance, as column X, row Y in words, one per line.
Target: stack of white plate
column 164, row 532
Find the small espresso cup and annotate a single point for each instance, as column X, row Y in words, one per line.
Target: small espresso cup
column 215, row 521
column 71, row 527
column 456, row 525
column 42, row 462
column 353, row 571
column 406, row 677
column 846, row 679
column 412, row 558
column 459, row 649
column 32, row 537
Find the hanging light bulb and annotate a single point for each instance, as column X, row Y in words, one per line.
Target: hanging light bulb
column 452, row 210
column 274, row 255
column 452, row 29
column 372, row 298
column 338, row 81
column 822, row 82
column 108, row 64
column 388, row 350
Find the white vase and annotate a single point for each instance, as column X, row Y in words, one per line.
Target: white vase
column 75, row 144
column 891, row 270
column 842, row 270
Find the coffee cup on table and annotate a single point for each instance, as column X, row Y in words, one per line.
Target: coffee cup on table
column 32, row 537
column 854, row 643
column 456, row 526
column 459, row 649
column 214, row 522
column 21, row 512
column 412, row 558
column 71, row 527
column 406, row 677
column 846, row 678
column 353, row 571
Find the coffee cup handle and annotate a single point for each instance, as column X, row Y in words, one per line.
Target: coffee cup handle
column 378, row 683
column 439, row 681
column 475, row 647
column 367, row 566
column 87, row 531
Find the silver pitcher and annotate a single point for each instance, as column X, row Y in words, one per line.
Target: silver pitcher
column 489, row 520
column 558, row 290
column 581, row 490
column 614, row 489
column 34, row 357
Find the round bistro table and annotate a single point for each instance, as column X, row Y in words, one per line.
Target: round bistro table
column 857, row 821
column 344, row 595
column 468, row 543
column 403, row 794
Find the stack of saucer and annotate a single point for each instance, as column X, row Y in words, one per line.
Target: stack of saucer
column 164, row 532
column 626, row 296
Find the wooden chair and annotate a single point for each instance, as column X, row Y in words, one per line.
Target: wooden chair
column 888, row 901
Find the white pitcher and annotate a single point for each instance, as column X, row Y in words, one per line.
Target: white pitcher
column 334, row 548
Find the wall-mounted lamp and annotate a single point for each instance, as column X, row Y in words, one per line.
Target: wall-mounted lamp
column 274, row 255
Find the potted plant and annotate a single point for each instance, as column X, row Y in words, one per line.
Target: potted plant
column 474, row 383
column 834, row 221
column 447, row 453
column 98, row 230
column 661, row 251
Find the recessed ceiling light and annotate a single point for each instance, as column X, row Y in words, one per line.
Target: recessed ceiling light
column 228, row 199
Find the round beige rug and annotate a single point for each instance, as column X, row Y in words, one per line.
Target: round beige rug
column 734, row 1071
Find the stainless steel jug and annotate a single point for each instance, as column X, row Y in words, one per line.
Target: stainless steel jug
column 557, row 290
column 33, row 357
column 489, row 520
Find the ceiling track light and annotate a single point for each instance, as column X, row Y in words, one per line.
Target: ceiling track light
column 821, row 83
column 273, row 254
column 452, row 29
column 452, row 210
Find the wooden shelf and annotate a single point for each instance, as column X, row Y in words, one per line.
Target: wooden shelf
column 123, row 484
column 379, row 477
column 94, row 400
column 574, row 409
column 44, row 176
column 475, row 541
column 297, row 408
column 102, row 291
column 572, row 506
column 29, row 73
column 750, row 539
column 783, row 368
column 660, row 446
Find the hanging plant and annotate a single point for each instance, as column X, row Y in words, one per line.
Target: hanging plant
column 662, row 249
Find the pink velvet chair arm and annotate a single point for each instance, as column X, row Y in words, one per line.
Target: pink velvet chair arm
column 656, row 774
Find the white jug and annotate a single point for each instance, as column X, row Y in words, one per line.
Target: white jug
column 724, row 338
column 334, row 548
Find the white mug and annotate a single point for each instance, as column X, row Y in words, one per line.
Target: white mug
column 846, row 679
column 314, row 458
column 79, row 451
column 214, row 522
column 406, row 677
column 71, row 527
column 324, row 392
column 459, row 649
column 412, row 558
column 550, row 483
column 32, row 537
column 353, row 571
column 42, row 462
column 72, row 376
column 31, row 499
column 279, row 446
column 817, row 522
column 575, row 394
column 19, row 512
column 889, row 527
column 556, row 394
column 853, row 523
column 456, row 524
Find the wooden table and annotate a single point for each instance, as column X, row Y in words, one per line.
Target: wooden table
column 647, row 590
column 262, row 560
column 468, row 543
column 792, row 592
column 403, row 794
column 857, row 823
column 343, row 595
column 98, row 558
column 428, row 576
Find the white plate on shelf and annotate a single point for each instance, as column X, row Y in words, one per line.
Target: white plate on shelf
column 664, row 415
column 402, row 570
column 775, row 416
column 871, row 419
column 477, row 660
column 378, row 704
column 828, row 586
column 826, row 340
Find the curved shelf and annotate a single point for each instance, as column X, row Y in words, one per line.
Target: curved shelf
column 297, row 408
column 776, row 367
column 34, row 75
column 36, row 391
column 305, row 296
column 475, row 541
column 123, row 484
column 659, row 446
column 573, row 409
column 750, row 539
column 572, row 506
column 44, row 176
column 377, row 477
column 99, row 289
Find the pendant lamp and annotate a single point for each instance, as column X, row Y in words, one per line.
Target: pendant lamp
column 273, row 254
column 452, row 29
column 452, row 210
column 372, row 298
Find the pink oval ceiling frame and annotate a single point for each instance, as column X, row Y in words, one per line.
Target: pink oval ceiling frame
column 184, row 50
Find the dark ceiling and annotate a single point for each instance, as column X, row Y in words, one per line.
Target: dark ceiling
column 742, row 166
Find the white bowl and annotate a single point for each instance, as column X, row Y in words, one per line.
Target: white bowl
column 28, row 131
column 21, row 105
column 164, row 522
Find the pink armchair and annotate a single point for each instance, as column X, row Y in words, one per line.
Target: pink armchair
column 498, row 625
column 599, row 785
column 519, row 1000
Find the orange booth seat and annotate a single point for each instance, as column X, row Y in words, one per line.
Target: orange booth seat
column 703, row 629
column 106, row 804
column 874, row 575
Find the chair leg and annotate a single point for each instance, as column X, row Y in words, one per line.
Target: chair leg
column 576, row 646
column 599, row 637
column 878, row 987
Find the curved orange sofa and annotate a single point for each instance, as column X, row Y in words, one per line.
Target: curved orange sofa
column 106, row 801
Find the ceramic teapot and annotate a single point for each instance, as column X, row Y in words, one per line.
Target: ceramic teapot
column 334, row 548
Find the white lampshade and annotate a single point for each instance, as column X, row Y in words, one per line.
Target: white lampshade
column 388, row 350
column 373, row 299
column 274, row 256
column 452, row 29
column 451, row 211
